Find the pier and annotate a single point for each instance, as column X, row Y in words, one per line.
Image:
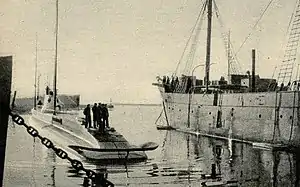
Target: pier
column 5, row 90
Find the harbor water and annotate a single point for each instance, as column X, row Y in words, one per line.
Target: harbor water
column 180, row 160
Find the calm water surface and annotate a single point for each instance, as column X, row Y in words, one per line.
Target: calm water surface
column 180, row 160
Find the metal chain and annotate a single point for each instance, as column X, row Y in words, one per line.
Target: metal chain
column 76, row 164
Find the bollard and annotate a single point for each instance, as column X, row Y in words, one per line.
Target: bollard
column 86, row 182
column 213, row 171
column 101, row 180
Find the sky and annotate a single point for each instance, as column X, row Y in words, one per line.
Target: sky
column 115, row 49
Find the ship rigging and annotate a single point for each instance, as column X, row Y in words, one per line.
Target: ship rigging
column 245, row 107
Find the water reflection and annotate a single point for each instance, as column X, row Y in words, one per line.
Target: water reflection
column 34, row 158
column 51, row 156
column 181, row 160
column 213, row 160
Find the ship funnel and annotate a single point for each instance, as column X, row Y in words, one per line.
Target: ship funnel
column 253, row 71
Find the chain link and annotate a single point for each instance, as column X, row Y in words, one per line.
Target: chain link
column 76, row 164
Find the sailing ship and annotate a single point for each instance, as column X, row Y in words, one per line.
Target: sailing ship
column 53, row 119
column 50, row 114
column 110, row 105
column 244, row 107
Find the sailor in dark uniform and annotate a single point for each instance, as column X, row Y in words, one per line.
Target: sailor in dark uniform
column 105, row 116
column 100, row 118
column 87, row 113
column 95, row 115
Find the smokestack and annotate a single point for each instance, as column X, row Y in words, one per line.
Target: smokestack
column 253, row 71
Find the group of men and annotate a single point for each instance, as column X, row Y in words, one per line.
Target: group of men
column 170, row 84
column 100, row 116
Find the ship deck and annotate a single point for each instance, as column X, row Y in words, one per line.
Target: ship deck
column 113, row 148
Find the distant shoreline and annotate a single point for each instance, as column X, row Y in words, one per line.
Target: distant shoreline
column 24, row 105
column 129, row 104
column 143, row 104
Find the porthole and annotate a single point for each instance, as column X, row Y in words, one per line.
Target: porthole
column 280, row 116
column 209, row 113
column 179, row 110
column 259, row 115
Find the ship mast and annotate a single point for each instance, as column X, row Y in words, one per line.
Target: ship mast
column 208, row 43
column 55, row 62
column 228, row 55
column 35, row 75
column 38, row 87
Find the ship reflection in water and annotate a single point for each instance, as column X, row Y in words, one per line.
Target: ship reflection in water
column 228, row 163
column 181, row 160
column 188, row 160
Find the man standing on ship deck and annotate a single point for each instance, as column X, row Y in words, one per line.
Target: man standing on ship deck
column 87, row 113
column 95, row 115
column 105, row 115
column 100, row 117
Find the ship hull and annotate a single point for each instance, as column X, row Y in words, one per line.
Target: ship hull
column 114, row 156
column 73, row 133
column 66, row 125
column 271, row 117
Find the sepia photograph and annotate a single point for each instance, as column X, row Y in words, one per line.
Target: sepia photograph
column 178, row 93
